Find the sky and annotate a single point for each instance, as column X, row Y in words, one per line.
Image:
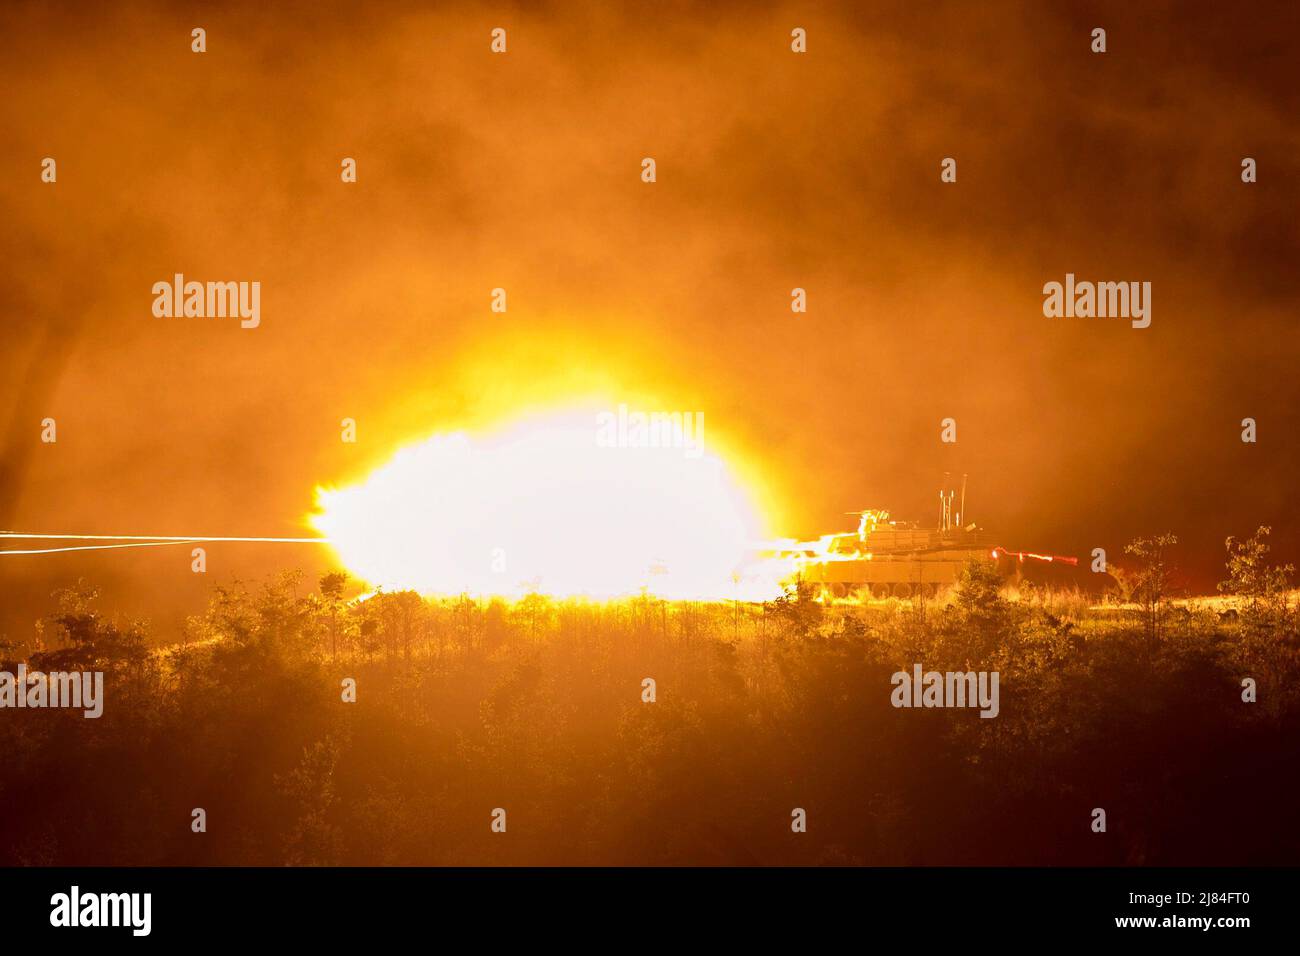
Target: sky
column 521, row 170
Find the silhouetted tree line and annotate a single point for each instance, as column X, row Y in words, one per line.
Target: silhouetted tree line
column 535, row 706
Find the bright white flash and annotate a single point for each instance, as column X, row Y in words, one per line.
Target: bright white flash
column 543, row 505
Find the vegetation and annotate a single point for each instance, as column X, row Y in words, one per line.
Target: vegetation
column 463, row 706
column 1151, row 584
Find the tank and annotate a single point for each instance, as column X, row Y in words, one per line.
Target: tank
column 889, row 558
column 885, row 557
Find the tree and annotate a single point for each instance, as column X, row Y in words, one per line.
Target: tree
column 1151, row 585
column 88, row 642
column 1250, row 576
column 331, row 589
column 979, row 589
column 981, row 606
column 797, row 606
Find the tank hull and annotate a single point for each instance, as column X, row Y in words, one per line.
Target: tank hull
column 892, row 575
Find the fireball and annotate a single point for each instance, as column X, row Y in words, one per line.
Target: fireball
column 545, row 505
